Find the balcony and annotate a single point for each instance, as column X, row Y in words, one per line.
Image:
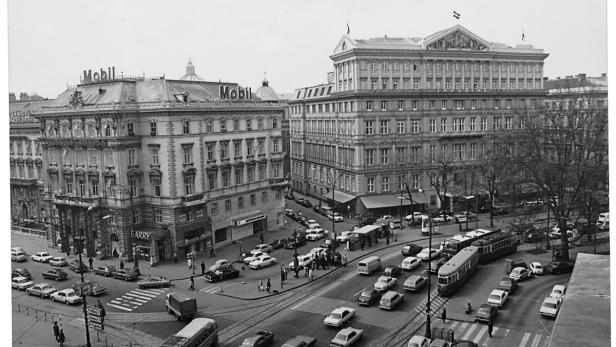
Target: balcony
column 80, row 201
column 24, row 181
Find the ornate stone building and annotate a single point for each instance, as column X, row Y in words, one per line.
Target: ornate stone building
column 174, row 163
column 394, row 108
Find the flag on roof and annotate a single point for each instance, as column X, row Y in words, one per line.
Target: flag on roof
column 348, row 28
column 456, row 15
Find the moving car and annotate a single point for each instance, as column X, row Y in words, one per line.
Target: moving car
column 384, row 283
column 154, row 282
column 255, row 255
column 105, row 270
column 337, row 217
column 395, row 224
column 58, row 261
column 368, row 297
column 410, row 263
column 303, row 202
column 498, row 297
column 55, row 274
column 441, row 218
column 412, row 216
column 507, row 284
column 295, row 241
column 315, row 234
column 43, row 257
column 429, row 253
column 410, row 249
column 302, row 260
column 346, row 337
column 262, row 261
column 558, row 292
column 464, row 216
column 89, row 288
column 536, row 268
column 519, row 274
column 18, row 256
column 436, row 264
column 263, row 247
column 550, row 307
column 418, row 341
column 67, row 296
column 221, row 275
column 392, row 270
column 220, row 264
column 486, row 313
column 21, row 283
column 415, row 283
column 559, row 267
column 346, row 236
column 21, row 273
column 391, row 300
column 339, row 316
column 77, row 266
column 126, row 274
column 261, row 338
column 277, row 244
column 43, row 290
column 300, row 341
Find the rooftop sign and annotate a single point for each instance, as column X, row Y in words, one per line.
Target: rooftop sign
column 99, row 76
column 238, row 93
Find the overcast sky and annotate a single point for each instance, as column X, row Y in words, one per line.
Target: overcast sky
column 52, row 42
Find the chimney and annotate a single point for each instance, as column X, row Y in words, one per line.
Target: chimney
column 545, row 79
column 12, row 97
column 604, row 75
column 23, row 96
column 569, row 77
column 581, row 77
column 558, row 77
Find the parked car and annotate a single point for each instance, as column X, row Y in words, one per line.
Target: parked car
column 436, row 264
column 559, row 267
column 346, row 337
column 368, row 297
column 303, row 220
column 367, row 221
column 105, row 270
column 550, row 307
column 42, row 290
column 261, row 338
column 410, row 263
column 533, row 235
column 337, row 217
column 21, row 283
column 339, row 316
column 300, row 341
column 558, row 292
column 441, row 218
column 507, row 284
column 392, row 270
column 415, row 283
column 536, row 268
column 67, row 296
column 264, row 247
column 498, row 297
column 383, row 283
column 42, row 257
column 429, row 253
column 519, row 274
column 154, row 282
column 464, row 216
column 395, row 224
column 58, row 261
column 254, row 255
column 18, row 256
column 295, row 241
column 221, row 274
column 77, row 266
column 302, row 261
column 89, row 288
column 410, row 249
column 315, row 234
column 414, row 215
column 55, row 274
column 126, row 274
column 418, row 341
column 346, row 236
column 277, row 244
column 486, row 313
column 21, row 273
column 391, row 300
column 303, row 202
column 220, row 264
column 261, row 262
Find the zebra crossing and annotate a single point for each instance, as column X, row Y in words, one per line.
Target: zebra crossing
column 135, row 298
column 478, row 333
column 213, row 289
column 435, row 301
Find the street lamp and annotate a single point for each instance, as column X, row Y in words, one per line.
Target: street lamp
column 428, row 308
column 130, row 247
column 332, row 177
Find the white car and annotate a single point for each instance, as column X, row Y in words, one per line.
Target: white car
column 43, row 290
column 315, row 234
column 43, row 257
column 464, row 216
column 410, row 263
column 346, row 236
column 263, row 247
column 317, row 250
column 21, row 283
column 254, row 256
column 429, row 253
column 441, row 218
column 220, row 264
column 339, row 316
column 550, row 307
column 519, row 273
column 536, row 268
column 558, row 292
column 497, row 297
column 414, row 215
column 67, row 296
column 262, row 261
column 346, row 337
column 18, row 256
column 418, row 341
column 383, row 283
column 58, row 261
column 303, row 261
column 337, row 217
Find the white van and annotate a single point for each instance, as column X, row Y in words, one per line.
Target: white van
column 369, row 265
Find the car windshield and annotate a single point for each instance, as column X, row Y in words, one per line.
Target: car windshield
column 366, row 293
column 495, row 297
column 71, row 294
column 505, row 283
column 335, row 315
column 549, row 305
column 483, row 310
column 557, row 291
column 342, row 336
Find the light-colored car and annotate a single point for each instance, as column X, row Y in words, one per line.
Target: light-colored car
column 498, row 297
column 43, row 257
column 536, row 268
column 415, row 283
column 429, row 253
column 414, row 215
column 262, row 261
column 315, row 234
column 519, row 273
column 58, row 261
column 550, row 307
column 346, row 337
column 339, row 316
column 418, row 341
column 302, row 260
column 264, row 247
column 43, row 290
column 383, row 283
column 441, row 218
column 67, row 296
column 18, row 256
column 346, row 236
column 390, row 300
column 220, row 264
column 464, row 216
column 253, row 257
column 318, row 250
column 154, row 282
column 21, row 283
column 410, row 263
column 558, row 292
column 337, row 217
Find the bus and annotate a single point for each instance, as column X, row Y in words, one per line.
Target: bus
column 457, row 270
column 200, row 332
column 496, row 245
column 456, row 243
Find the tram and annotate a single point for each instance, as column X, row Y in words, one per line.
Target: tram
column 457, row 270
column 496, row 245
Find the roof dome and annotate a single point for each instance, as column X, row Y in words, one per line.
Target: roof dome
column 190, row 73
column 265, row 92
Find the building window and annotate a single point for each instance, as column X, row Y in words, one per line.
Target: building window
column 496, row 123
column 368, row 105
column 136, row 219
column 190, row 216
column 133, row 186
column 186, row 127
column 224, row 150
column 240, row 203
column 237, row 149
column 370, row 181
column 274, row 123
column 227, row 205
column 508, row 123
column 276, row 170
column 459, row 150
column 385, row 184
column 93, row 185
column 210, row 151
column 415, row 127
column 384, row 156
column 82, row 186
column 400, row 105
column 383, row 105
column 432, row 125
column 131, row 157
column 236, row 125
column 373, row 84
column 156, row 185
column 415, row 154
column 223, row 126
column 211, row 179
column 508, row 104
column 214, row 209
column 444, row 150
column 473, row 150
column 414, row 105
column 374, row 65
column 154, row 152
column 369, row 127
column 483, row 150
column 226, row 179
column 251, row 174
column 443, row 124
column 153, row 128
column 384, row 127
column 462, row 120
column 394, row 85
column 259, row 124
column 276, row 146
column 208, row 126
column 238, row 175
column 189, row 185
column 158, row 215
column 400, row 156
column 443, row 104
column 454, row 125
column 187, row 152
column 400, row 127
column 432, row 153
column 253, row 199
column 484, row 123
column 263, row 196
column 432, row 104
column 370, row 157
column 130, row 129
column 473, row 124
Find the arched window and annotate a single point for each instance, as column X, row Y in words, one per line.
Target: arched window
column 91, row 130
column 107, row 130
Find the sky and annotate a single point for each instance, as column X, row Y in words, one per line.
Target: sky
column 50, row 43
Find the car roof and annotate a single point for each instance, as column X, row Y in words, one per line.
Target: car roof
column 19, row 278
column 497, row 291
column 550, row 300
column 558, row 286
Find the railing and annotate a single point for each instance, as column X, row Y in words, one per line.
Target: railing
column 29, row 231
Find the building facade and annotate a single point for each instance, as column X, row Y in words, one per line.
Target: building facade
column 395, row 109
column 157, row 168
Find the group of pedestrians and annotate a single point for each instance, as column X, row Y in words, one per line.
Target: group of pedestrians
column 267, row 288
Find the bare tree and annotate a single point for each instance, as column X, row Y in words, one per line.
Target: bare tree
column 441, row 175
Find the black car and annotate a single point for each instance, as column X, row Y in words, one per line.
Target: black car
column 21, row 273
column 277, row 244
column 410, row 249
column 534, row 235
column 74, row 266
column 55, row 274
column 486, row 313
column 464, row 343
column 105, row 270
column 559, row 267
column 221, row 274
column 303, row 220
column 126, row 274
column 261, row 338
column 369, row 296
column 303, row 202
column 392, row 271
column 367, row 221
column 295, row 241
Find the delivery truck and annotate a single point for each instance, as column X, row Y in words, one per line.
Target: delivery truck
column 180, row 305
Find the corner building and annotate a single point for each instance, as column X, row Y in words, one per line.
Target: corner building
column 396, row 107
column 157, row 167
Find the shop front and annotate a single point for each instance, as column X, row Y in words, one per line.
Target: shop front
column 240, row 227
column 151, row 245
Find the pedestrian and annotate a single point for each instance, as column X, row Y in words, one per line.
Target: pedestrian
column 91, row 262
column 56, row 330
column 175, row 257
column 344, row 259
column 61, row 337
column 395, row 236
column 444, row 315
column 306, row 270
column 192, row 283
column 203, row 267
column 212, row 254
column 121, row 264
column 260, row 288
column 100, row 306
column 269, row 285
column 310, row 275
column 490, row 327
column 261, row 238
column 286, row 273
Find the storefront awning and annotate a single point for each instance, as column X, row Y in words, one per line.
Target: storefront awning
column 148, row 233
column 343, row 197
column 381, row 201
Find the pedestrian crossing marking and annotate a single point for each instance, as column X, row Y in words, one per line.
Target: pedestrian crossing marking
column 210, row 289
column 482, row 332
column 536, row 341
column 469, row 332
column 478, row 333
column 524, row 340
column 120, row 307
column 135, row 298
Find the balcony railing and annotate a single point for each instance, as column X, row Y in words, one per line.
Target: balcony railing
column 81, row 201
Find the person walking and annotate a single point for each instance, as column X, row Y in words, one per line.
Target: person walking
column 192, row 283
column 490, row 328
column 203, row 267
column 269, row 285
column 444, row 315
column 344, row 259
column 260, row 288
column 306, row 271
column 91, row 261
column 310, row 275
column 61, row 337
column 121, row 264
column 100, row 306
column 261, row 238
column 56, row 330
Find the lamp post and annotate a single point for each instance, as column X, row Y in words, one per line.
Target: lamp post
column 333, row 180
column 428, row 308
column 130, row 236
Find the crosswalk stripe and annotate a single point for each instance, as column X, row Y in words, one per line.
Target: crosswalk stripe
column 524, row 340
column 480, row 334
column 464, row 325
column 469, row 332
column 148, row 294
column 536, row 340
column 136, row 298
column 454, row 324
column 120, row 307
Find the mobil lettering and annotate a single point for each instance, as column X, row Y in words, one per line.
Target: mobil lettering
column 238, row 93
column 99, row 76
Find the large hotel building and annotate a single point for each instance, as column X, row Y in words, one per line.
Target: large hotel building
column 159, row 167
column 394, row 108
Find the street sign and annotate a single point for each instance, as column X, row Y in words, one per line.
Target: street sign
column 98, row 326
column 94, row 311
column 94, row 319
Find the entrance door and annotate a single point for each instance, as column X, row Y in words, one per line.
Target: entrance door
column 161, row 250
